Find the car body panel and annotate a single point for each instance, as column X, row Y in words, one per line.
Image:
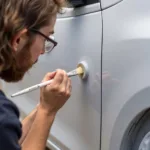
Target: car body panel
column 126, row 61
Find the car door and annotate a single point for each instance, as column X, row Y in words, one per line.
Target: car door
column 78, row 32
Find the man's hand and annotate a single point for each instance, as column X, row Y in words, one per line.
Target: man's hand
column 54, row 95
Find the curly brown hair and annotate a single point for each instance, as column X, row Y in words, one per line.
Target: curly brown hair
column 16, row 15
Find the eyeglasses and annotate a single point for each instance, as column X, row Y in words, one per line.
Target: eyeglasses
column 50, row 43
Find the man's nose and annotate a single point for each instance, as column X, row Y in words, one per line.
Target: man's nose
column 42, row 52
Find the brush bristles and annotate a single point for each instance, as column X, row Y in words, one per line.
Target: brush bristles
column 80, row 70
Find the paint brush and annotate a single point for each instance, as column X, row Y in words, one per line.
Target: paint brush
column 78, row 71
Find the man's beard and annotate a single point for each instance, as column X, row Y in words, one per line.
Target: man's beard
column 22, row 62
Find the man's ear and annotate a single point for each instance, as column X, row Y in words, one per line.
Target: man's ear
column 19, row 39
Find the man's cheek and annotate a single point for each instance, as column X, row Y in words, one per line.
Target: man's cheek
column 35, row 55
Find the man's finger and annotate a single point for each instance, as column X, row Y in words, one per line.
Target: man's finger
column 58, row 77
column 69, row 88
column 49, row 76
column 64, row 82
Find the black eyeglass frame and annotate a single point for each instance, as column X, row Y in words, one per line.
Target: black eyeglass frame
column 46, row 37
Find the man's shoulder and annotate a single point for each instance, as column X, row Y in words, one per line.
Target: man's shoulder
column 7, row 108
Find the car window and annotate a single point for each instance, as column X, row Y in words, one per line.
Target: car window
column 80, row 3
